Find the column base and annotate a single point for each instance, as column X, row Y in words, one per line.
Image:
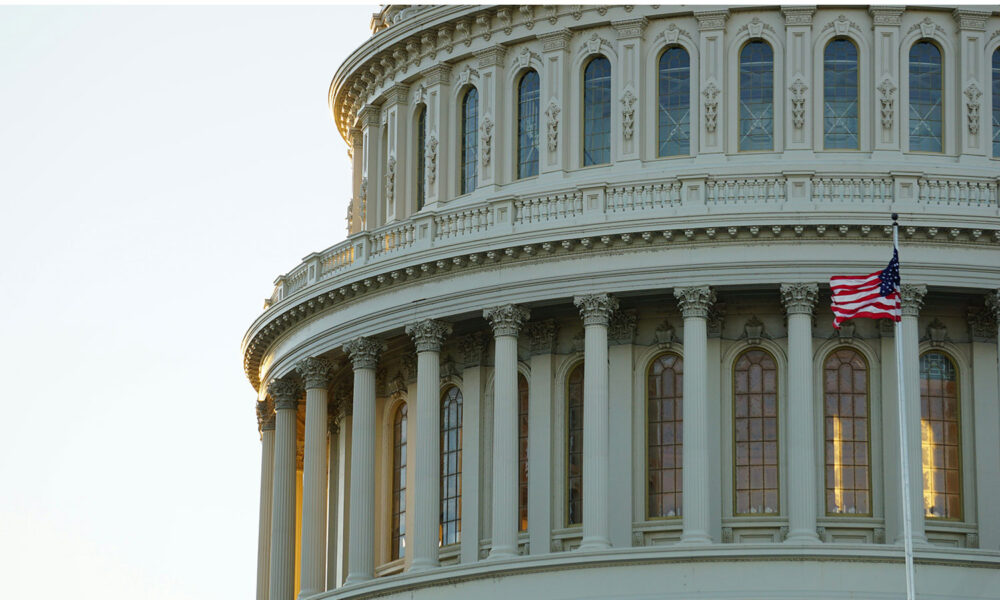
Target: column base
column 306, row 593
column 919, row 541
column 802, row 537
column 422, row 564
column 594, row 543
column 502, row 552
column 695, row 538
column 355, row 578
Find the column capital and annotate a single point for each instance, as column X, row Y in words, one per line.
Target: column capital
column 556, row 40
column 621, row 328
column 439, row 74
column 911, row 298
column 542, row 336
column 506, row 319
column 596, row 309
column 285, row 393
column 428, row 334
column 397, row 94
column 630, row 28
column 695, row 301
column 364, row 352
column 331, row 422
column 711, row 19
column 971, row 19
column 265, row 416
column 370, row 115
column 799, row 298
column 472, row 348
column 492, row 56
column 993, row 303
column 886, row 15
column 315, row 372
column 798, row 15
column 982, row 322
column 356, row 135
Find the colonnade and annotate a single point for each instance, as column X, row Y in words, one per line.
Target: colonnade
column 276, row 551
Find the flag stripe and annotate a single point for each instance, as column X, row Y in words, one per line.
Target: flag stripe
column 874, row 296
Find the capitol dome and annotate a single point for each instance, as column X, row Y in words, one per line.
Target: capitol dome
column 577, row 342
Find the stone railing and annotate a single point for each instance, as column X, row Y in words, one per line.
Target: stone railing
column 790, row 198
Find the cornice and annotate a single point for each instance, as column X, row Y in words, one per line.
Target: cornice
column 332, row 294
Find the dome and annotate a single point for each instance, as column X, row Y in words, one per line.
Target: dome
column 576, row 342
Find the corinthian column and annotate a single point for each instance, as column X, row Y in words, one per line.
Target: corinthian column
column 595, row 309
column 282, row 578
column 315, row 373
column 912, row 298
column 265, row 422
column 364, row 353
column 694, row 304
column 799, row 300
column 427, row 336
column 506, row 321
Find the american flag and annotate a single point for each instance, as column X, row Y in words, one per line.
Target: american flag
column 874, row 296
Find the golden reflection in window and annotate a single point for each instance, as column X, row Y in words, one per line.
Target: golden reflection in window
column 664, row 439
column 450, row 529
column 845, row 412
column 574, row 446
column 755, row 433
column 522, row 452
column 398, row 541
column 940, row 437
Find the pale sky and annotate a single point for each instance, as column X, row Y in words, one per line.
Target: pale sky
column 159, row 167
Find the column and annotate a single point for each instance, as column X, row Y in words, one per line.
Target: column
column 596, row 310
column 890, row 433
column 799, row 300
column 798, row 75
column 554, row 88
column 973, row 128
column 427, row 337
column 282, row 577
column 886, row 20
column 438, row 158
column 265, row 422
column 621, row 370
column 356, row 212
column 333, row 504
column 364, row 353
column 315, row 374
column 492, row 154
column 371, row 195
column 985, row 383
column 506, row 321
column 542, row 341
column 694, row 303
column 712, row 77
column 629, row 34
column 472, row 350
column 912, row 297
column 399, row 178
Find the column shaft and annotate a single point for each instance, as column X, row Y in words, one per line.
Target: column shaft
column 314, row 487
column 694, row 463
column 801, row 442
column 266, row 489
column 911, row 379
column 595, row 438
column 505, row 448
column 333, row 491
column 361, row 546
column 282, row 577
column 427, row 488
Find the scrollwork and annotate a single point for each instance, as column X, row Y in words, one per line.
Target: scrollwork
column 711, row 94
column 628, row 114
column 887, row 99
column 798, row 89
column 428, row 334
column 506, row 319
column 695, row 301
column 315, row 372
column 552, row 112
column 596, row 309
column 972, row 95
column 486, row 132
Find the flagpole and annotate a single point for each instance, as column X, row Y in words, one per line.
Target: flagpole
column 903, row 452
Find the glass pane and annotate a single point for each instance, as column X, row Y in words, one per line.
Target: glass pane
column 996, row 103
column 674, row 103
column 398, row 541
column 451, row 466
column 421, row 155
column 925, row 97
column 845, row 386
column 522, row 452
column 597, row 112
column 940, row 437
column 574, row 447
column 527, row 125
column 840, row 95
column 755, row 433
column 470, row 139
column 756, row 96
column 664, row 408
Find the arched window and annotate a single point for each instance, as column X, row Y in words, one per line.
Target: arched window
column 845, row 426
column 996, row 103
column 755, row 433
column 398, row 541
column 421, row 155
column 451, row 466
column 664, row 437
column 597, row 112
column 756, row 96
column 673, row 101
column 840, row 95
column 926, row 97
column 574, row 446
column 527, row 125
column 470, row 139
column 940, row 436
column 522, row 452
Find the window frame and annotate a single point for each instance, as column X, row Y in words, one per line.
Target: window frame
column 420, row 136
column 462, row 137
column 690, row 107
column 518, row 82
column 397, row 544
column 962, row 496
column 776, row 83
column 993, row 61
column 868, row 419
column 909, row 95
column 778, row 424
column 583, row 111
column 858, row 86
column 566, row 478
column 645, row 489
column 445, row 390
column 522, row 466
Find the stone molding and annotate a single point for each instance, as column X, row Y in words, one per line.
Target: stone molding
column 695, row 301
column 315, row 372
column 364, row 352
column 428, row 334
column 799, row 298
column 596, row 309
column 285, row 393
column 506, row 319
column 911, row 298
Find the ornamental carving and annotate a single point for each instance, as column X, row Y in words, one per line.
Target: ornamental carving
column 711, row 94
column 982, row 323
column 841, row 25
column 486, row 130
column 485, row 21
column 467, row 75
column 428, row 334
column 887, row 99
column 993, row 304
column 972, row 95
column 552, row 112
column 542, row 336
column 594, row 44
column 596, row 309
column 753, row 331
column 621, row 328
column 508, row 21
column 927, row 28
column 665, row 335
column 937, row 333
column 315, row 372
column 670, row 35
column 695, row 301
column 528, row 12
column 432, row 158
column 798, row 89
column 364, row 352
column 846, row 333
column 911, row 297
column 265, row 416
column 331, row 421
column 390, row 179
column 716, row 319
column 506, row 319
column 472, row 348
column 755, row 27
column 285, row 394
column 523, row 58
column 799, row 298
column 628, row 114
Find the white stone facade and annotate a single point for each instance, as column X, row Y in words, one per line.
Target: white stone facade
column 703, row 256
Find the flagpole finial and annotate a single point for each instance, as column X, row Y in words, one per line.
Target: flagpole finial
column 894, row 217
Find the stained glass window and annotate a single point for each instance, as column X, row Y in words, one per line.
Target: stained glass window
column 527, row 125
column 673, row 102
column 664, row 436
column 940, row 437
column 597, row 112
column 470, row 139
column 421, row 151
column 522, row 452
column 996, row 103
column 756, row 96
column 845, row 426
column 451, row 466
column 840, row 95
column 574, row 446
column 926, row 97
column 398, row 540
column 755, row 433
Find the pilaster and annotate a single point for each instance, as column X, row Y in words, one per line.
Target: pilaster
column 438, row 158
column 985, row 383
column 798, row 77
column 631, row 87
column 472, row 349
column 356, row 211
column 886, row 21
column 712, row 77
column 554, row 90
column 541, row 340
column 974, row 128
column 492, row 116
column 912, row 298
column 371, row 188
column 621, row 336
column 399, row 180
